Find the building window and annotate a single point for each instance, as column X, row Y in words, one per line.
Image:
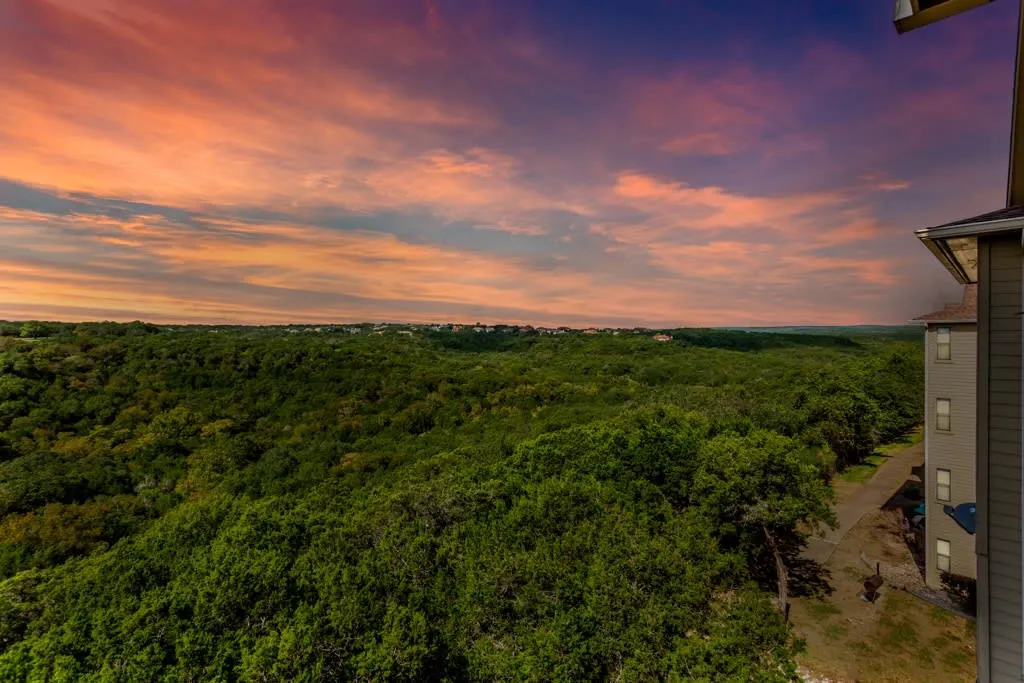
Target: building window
column 943, row 343
column 942, row 555
column 942, row 414
column 942, row 485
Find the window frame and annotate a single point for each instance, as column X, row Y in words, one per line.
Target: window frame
column 939, row 486
column 947, row 344
column 948, row 555
column 948, row 415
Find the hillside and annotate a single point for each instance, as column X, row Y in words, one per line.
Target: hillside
column 249, row 504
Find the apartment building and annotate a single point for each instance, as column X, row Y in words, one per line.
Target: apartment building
column 950, row 438
column 987, row 250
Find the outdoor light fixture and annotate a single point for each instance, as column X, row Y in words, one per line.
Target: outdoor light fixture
column 911, row 14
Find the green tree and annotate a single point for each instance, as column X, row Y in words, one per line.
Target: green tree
column 34, row 329
column 895, row 382
column 762, row 496
column 233, row 503
column 846, row 420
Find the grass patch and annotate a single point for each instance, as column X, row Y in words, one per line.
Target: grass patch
column 905, row 441
column 896, row 634
column 853, row 573
column 857, row 474
column 835, row 632
column 956, row 659
column 940, row 616
column 899, row 638
column 822, row 610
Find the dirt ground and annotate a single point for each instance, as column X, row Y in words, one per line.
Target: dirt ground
column 898, row 638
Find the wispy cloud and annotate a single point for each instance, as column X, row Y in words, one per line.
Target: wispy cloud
column 270, row 161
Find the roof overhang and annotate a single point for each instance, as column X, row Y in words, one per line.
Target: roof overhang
column 925, row 323
column 956, row 244
column 912, row 14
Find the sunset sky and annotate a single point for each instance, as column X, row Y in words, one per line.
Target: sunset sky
column 647, row 163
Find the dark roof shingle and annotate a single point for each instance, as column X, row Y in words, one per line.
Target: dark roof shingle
column 991, row 216
column 964, row 311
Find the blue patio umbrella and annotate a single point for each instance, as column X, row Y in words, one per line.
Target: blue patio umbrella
column 963, row 514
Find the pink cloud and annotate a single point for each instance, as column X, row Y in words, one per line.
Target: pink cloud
column 706, row 113
column 265, row 266
column 715, row 207
column 227, row 109
column 705, row 144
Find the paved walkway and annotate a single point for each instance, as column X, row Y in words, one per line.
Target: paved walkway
column 864, row 498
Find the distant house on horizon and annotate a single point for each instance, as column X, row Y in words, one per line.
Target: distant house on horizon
column 662, row 337
column 950, row 436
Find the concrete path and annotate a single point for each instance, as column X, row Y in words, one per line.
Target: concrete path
column 869, row 496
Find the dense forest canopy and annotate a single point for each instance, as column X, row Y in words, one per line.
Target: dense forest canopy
column 242, row 504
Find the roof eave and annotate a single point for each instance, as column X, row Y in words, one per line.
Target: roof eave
column 935, row 239
column 950, row 321
column 938, row 247
column 972, row 228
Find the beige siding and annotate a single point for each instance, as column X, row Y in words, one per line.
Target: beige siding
column 999, row 460
column 955, row 379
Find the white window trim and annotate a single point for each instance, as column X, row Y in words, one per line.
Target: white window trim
column 939, row 486
column 948, row 415
column 948, row 555
column 948, row 344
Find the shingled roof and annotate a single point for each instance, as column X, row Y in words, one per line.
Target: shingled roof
column 966, row 311
column 1008, row 214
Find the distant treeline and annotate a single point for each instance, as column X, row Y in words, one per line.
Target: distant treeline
column 502, row 337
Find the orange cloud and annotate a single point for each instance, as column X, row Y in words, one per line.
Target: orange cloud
column 280, row 273
column 264, row 123
column 714, row 207
column 189, row 112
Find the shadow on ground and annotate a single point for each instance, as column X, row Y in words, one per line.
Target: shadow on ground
column 908, row 496
column 807, row 578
